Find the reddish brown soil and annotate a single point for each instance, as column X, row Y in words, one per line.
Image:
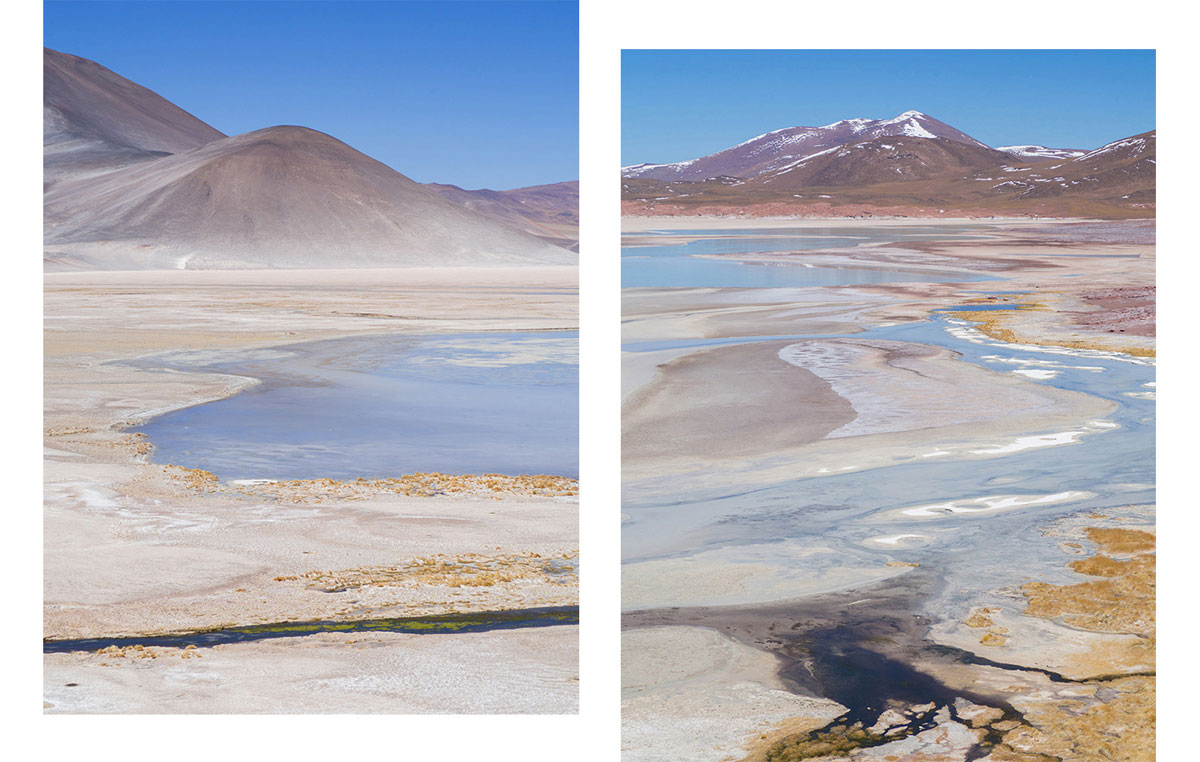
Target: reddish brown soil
column 1122, row 310
column 781, row 209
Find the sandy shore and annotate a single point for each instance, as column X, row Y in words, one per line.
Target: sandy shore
column 133, row 547
column 694, row 693
column 508, row 672
column 741, row 406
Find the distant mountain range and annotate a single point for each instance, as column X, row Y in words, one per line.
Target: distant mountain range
column 132, row 181
column 550, row 211
column 910, row 164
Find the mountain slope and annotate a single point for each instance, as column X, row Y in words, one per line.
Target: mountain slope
column 883, row 160
column 550, row 212
column 96, row 120
column 278, row 197
column 1123, row 170
column 134, row 182
column 777, row 149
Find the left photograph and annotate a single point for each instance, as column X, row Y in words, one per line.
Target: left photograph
column 311, row 357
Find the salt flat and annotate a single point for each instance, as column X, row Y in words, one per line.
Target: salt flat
column 135, row 547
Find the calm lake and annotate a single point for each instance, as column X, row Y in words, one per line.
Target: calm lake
column 680, row 266
column 380, row 406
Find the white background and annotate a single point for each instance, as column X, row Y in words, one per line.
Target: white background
column 606, row 27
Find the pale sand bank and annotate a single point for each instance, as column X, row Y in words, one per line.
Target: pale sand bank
column 741, row 406
column 560, row 276
column 748, row 574
column 854, row 405
column 693, row 693
column 531, row 671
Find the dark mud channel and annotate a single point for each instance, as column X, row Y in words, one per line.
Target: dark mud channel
column 428, row 625
column 857, row 648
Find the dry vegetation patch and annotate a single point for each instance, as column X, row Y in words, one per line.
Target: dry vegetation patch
column 143, row 652
column 1120, row 600
column 411, row 485
column 997, row 324
column 463, row 570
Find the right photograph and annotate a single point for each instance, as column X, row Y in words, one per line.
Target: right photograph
column 888, row 405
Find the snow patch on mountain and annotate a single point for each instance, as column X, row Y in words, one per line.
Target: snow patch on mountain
column 1134, row 146
column 1041, row 152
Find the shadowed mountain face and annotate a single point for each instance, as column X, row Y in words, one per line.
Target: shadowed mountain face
column 550, row 212
column 134, row 182
column 775, row 150
column 97, row 120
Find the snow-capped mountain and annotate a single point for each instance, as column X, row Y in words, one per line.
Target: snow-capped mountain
column 1037, row 153
column 777, row 149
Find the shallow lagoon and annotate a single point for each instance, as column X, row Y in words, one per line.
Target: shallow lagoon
column 680, row 266
column 381, row 406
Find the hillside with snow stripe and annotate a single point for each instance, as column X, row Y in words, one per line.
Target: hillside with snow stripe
column 1035, row 152
column 1134, row 147
column 777, row 149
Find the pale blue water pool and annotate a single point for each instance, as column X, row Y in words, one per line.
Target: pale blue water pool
column 680, row 265
column 380, row 406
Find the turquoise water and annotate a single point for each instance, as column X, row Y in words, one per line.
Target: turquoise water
column 380, row 406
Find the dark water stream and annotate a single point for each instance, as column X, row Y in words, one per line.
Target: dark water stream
column 482, row 621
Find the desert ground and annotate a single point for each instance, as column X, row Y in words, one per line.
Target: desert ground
column 892, row 490
column 134, row 547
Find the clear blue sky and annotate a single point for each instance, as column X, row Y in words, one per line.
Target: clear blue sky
column 680, row 104
column 478, row 94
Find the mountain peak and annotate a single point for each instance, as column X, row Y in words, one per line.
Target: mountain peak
column 790, row 146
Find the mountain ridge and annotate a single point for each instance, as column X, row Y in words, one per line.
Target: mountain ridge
column 549, row 211
column 134, row 182
column 916, row 171
column 770, row 150
column 95, row 119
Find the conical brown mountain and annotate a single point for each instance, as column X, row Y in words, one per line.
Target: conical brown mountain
column 184, row 196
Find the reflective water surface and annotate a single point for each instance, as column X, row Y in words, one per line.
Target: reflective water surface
column 380, row 406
